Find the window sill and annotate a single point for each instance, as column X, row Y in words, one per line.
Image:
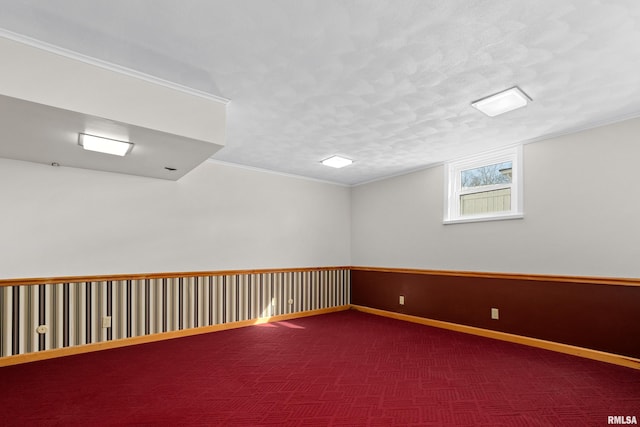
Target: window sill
column 483, row 219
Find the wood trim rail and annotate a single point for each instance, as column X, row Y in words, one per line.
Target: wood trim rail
column 616, row 359
column 124, row 342
column 617, row 281
column 167, row 275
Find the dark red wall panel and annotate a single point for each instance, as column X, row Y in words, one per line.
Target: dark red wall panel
column 596, row 316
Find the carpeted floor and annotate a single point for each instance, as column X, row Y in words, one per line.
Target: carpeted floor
column 346, row 368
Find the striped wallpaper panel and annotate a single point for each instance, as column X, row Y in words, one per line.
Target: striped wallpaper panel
column 73, row 312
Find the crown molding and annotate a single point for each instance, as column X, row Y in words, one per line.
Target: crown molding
column 38, row 44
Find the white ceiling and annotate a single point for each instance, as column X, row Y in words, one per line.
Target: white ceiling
column 386, row 83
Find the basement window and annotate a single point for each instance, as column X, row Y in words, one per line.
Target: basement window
column 484, row 188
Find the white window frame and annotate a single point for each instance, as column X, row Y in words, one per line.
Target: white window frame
column 453, row 186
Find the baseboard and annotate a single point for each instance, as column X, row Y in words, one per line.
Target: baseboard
column 105, row 345
column 601, row 356
column 615, row 359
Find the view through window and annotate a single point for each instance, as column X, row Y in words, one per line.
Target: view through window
column 484, row 187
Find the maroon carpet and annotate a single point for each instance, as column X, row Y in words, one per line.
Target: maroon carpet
column 346, row 368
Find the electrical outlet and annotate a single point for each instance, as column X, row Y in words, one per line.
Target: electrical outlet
column 401, row 301
column 106, row 322
column 495, row 314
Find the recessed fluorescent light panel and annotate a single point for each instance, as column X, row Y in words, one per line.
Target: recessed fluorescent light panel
column 337, row 162
column 502, row 102
column 104, row 145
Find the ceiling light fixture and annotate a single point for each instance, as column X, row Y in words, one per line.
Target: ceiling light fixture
column 502, row 102
column 337, row 162
column 104, row 145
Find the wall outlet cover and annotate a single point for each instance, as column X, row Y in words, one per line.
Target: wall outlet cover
column 106, row 322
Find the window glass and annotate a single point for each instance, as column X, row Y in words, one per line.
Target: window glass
column 499, row 173
column 485, row 202
column 484, row 187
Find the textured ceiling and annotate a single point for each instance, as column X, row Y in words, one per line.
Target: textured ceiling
column 386, row 83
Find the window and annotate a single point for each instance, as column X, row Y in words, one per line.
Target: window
column 483, row 188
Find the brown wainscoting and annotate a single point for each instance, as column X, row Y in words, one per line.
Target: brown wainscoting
column 593, row 313
column 629, row 362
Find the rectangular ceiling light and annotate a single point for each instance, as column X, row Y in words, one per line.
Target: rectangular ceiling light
column 337, row 162
column 502, row 102
column 104, row 145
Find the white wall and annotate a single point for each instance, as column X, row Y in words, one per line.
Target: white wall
column 582, row 217
column 581, row 205
column 64, row 221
